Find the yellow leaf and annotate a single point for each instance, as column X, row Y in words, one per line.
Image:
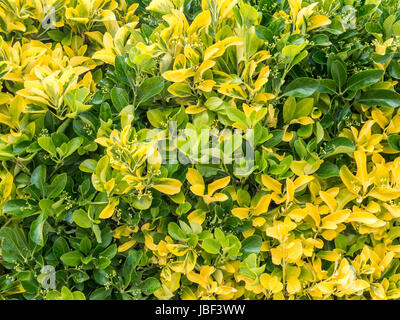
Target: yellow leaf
column 218, row 184
column 218, row 197
column 167, row 185
column 177, row 249
column 122, row 231
column 206, row 86
column 262, row 205
column 271, row 183
column 352, row 183
column 232, row 90
column 203, row 19
column 294, row 251
column 180, row 89
column 198, row 190
column 385, row 194
column 218, row 49
column 263, row 97
column 125, row 246
column 317, row 21
column 313, row 212
column 362, row 217
column 280, row 230
column 203, row 277
column 293, row 285
column 205, row 65
column 195, row 109
column 197, row 216
column 241, row 213
column 287, row 136
column 329, row 200
column 362, row 174
column 271, row 283
column 328, row 255
column 289, row 191
column 331, row 221
column 194, row 177
column 178, row 75
column 191, row 54
column 108, row 211
column 302, row 181
column 258, row 222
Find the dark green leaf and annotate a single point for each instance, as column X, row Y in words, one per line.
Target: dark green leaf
column 380, row 97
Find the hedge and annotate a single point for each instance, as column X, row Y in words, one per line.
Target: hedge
column 186, row 149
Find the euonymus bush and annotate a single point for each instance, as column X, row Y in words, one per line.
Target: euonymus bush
column 120, row 122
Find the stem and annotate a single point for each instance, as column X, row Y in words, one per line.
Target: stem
column 58, row 165
column 22, row 167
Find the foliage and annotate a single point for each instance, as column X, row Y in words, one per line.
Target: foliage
column 88, row 92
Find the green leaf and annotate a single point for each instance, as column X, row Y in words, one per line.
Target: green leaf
column 338, row 145
column 100, row 294
column 123, row 71
column 72, row 258
column 387, row 25
column 305, row 131
column 327, row 170
column 72, row 146
column 394, row 141
column 380, row 97
column 372, row 27
column 36, row 231
column 14, row 246
column 264, row 33
column 249, row 267
column 119, row 98
column 303, row 108
column 251, row 244
column 236, row 115
column 289, row 108
column 28, row 281
column 60, row 246
column 46, row 143
column 85, row 246
column 20, row 207
column 81, row 218
column 143, row 203
column 88, row 165
column 211, row 246
column 131, row 262
column 57, row 186
column 243, row 198
column 110, row 252
column 341, row 242
column 234, row 245
column 300, row 57
column 150, row 285
column 394, row 69
column 176, row 232
column 339, row 72
column 363, row 79
column 291, row 50
column 327, row 86
column 38, row 178
column 301, row 87
column 150, row 88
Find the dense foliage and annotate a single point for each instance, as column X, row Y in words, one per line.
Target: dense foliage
column 89, row 89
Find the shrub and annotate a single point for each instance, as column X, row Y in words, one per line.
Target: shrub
column 214, row 149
